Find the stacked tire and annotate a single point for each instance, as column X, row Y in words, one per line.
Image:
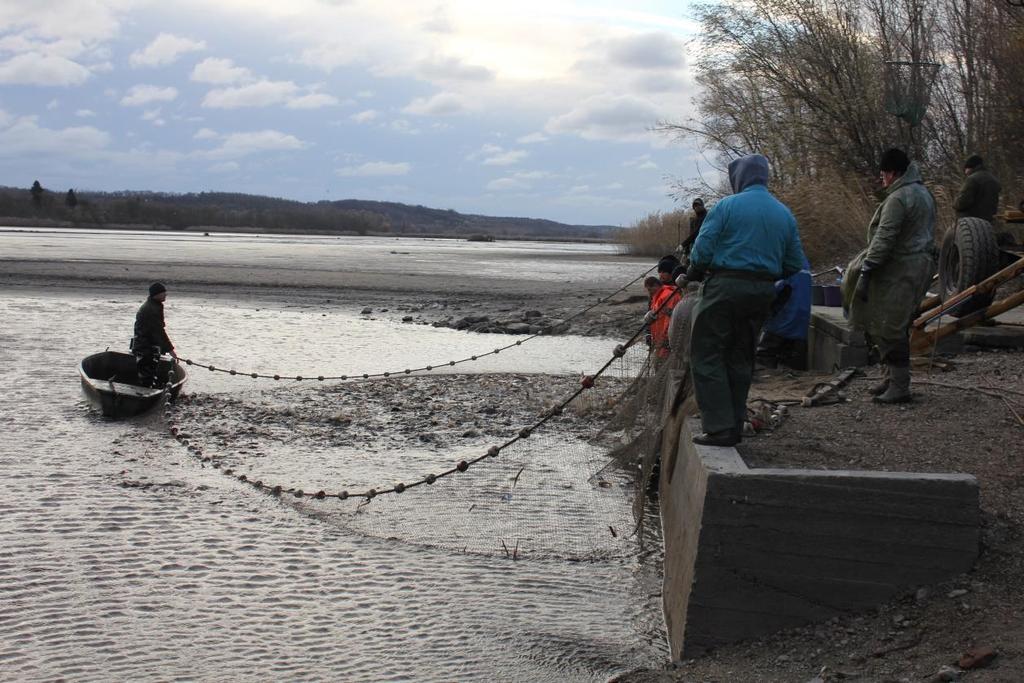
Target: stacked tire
column 969, row 255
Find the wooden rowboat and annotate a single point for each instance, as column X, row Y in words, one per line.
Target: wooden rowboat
column 110, row 381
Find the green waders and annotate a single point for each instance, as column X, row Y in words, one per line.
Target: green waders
column 727, row 321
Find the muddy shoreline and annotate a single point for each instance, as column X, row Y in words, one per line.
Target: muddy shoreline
column 479, row 304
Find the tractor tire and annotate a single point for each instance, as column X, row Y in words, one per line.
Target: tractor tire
column 969, row 255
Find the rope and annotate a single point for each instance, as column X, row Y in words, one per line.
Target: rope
column 409, row 371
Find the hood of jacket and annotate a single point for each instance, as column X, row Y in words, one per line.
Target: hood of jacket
column 912, row 175
column 746, row 171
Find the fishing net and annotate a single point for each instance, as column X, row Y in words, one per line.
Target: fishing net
column 908, row 87
column 566, row 491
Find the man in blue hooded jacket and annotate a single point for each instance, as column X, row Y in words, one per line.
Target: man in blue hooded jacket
column 747, row 242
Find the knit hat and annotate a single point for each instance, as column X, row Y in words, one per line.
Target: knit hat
column 973, row 161
column 894, row 160
column 698, row 202
column 667, row 264
column 156, row 288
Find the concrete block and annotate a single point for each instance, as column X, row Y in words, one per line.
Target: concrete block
column 752, row 551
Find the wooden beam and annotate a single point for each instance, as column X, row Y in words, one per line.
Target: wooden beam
column 921, row 340
column 984, row 287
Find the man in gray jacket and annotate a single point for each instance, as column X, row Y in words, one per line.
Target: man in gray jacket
column 897, row 269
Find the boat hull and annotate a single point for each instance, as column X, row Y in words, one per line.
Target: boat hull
column 110, row 383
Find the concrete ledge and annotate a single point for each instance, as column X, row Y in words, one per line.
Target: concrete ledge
column 831, row 344
column 752, row 551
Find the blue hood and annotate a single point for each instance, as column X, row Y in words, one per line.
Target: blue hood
column 746, row 171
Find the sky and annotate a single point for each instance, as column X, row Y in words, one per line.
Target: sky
column 537, row 108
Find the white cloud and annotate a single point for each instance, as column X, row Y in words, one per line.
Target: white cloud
column 533, row 138
column 376, row 168
column 439, row 22
column 365, row 116
column 24, row 136
column 657, row 82
column 453, row 69
column 496, row 155
column 506, row 157
column 65, row 21
column 237, row 145
column 441, row 104
column 153, row 115
column 34, row 68
column 314, row 100
column 205, row 134
column 219, row 72
column 141, row 95
column 260, row 94
column 404, row 127
column 52, row 105
column 165, row 49
column 641, row 163
column 532, row 175
column 85, row 113
column 608, row 117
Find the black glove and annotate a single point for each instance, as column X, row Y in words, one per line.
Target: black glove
column 694, row 274
column 864, row 281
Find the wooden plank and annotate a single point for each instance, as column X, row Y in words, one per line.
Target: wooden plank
column 921, row 340
column 989, row 284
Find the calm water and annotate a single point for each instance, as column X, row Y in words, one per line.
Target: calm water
column 197, row 578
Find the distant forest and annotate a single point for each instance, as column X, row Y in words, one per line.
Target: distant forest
column 242, row 212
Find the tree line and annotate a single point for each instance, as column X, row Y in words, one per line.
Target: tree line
column 237, row 211
column 821, row 87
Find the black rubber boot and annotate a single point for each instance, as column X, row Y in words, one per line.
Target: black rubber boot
column 899, row 386
column 724, row 438
column 879, row 388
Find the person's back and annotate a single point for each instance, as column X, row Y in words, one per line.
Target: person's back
column 979, row 195
column 751, row 230
column 663, row 302
column 748, row 241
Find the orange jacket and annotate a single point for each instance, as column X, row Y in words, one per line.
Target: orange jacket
column 663, row 301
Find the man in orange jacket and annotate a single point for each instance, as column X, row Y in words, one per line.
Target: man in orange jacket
column 663, row 299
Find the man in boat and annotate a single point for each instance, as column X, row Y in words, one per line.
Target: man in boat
column 747, row 242
column 151, row 340
column 894, row 272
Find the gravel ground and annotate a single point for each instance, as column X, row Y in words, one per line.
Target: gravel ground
column 966, row 427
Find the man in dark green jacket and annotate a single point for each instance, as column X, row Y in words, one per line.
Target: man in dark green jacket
column 894, row 271
column 979, row 195
column 151, row 340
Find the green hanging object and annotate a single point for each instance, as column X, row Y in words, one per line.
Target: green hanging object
column 908, row 87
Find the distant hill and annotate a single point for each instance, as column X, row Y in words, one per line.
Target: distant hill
column 237, row 212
